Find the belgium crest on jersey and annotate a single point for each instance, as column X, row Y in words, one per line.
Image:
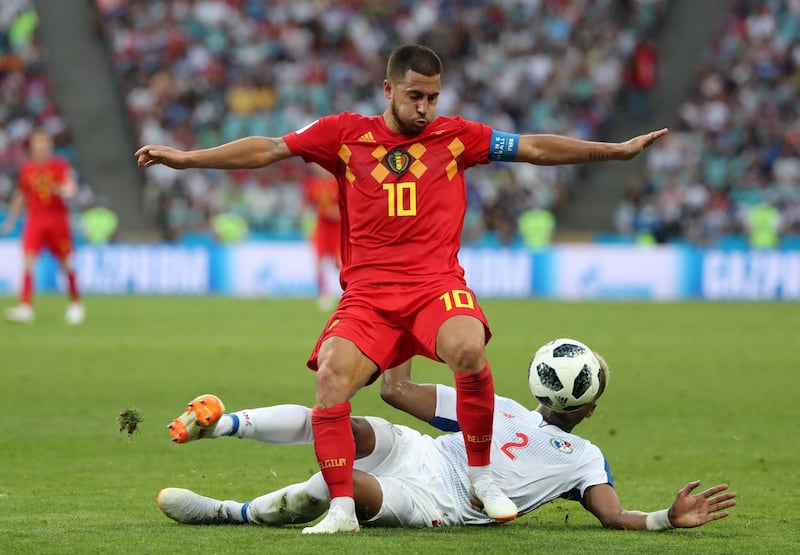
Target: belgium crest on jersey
column 398, row 161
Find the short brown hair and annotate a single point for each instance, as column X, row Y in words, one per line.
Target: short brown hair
column 605, row 375
column 414, row 57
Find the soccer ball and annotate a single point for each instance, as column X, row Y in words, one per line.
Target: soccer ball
column 564, row 375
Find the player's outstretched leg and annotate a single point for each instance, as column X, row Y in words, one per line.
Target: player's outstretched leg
column 20, row 314
column 198, row 420
column 475, row 410
column 294, row 504
column 188, row 507
column 340, row 518
column 485, row 494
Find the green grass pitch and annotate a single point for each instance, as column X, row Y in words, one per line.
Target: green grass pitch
column 698, row 391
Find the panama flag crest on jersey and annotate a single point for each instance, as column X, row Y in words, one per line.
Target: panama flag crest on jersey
column 561, row 444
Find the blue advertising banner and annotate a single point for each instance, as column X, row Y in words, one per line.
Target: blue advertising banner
column 624, row 272
column 750, row 275
column 288, row 269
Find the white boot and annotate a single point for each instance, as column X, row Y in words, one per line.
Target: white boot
column 340, row 518
column 485, row 494
column 20, row 314
column 75, row 314
column 185, row 506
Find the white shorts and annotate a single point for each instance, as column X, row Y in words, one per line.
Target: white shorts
column 408, row 467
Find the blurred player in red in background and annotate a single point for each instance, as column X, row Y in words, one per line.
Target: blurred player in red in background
column 45, row 182
column 322, row 195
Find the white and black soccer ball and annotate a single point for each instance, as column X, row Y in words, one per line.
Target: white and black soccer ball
column 564, row 375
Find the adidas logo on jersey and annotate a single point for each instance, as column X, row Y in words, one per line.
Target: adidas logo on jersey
column 367, row 138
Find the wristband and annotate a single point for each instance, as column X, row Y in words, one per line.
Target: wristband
column 658, row 520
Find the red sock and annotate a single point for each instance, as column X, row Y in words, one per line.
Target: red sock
column 27, row 288
column 72, row 286
column 475, row 411
column 335, row 447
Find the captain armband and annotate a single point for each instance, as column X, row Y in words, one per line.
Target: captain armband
column 658, row 520
column 503, row 146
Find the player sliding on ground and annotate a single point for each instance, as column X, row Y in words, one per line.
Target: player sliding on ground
column 403, row 478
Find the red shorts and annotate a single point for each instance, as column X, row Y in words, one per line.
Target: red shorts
column 52, row 233
column 392, row 323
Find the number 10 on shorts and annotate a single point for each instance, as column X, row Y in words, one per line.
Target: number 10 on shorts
column 458, row 298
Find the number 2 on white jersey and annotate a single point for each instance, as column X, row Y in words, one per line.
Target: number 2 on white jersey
column 507, row 447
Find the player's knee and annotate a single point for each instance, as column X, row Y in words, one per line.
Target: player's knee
column 468, row 357
column 368, row 495
column 337, row 385
column 364, row 436
column 332, row 387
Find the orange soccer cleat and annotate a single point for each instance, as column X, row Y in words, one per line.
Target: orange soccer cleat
column 198, row 420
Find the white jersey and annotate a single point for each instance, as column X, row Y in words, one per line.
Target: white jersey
column 533, row 462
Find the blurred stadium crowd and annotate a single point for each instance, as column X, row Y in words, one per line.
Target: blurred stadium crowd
column 736, row 141
column 200, row 73
column 195, row 73
column 26, row 99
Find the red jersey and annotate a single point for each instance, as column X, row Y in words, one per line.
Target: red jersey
column 39, row 181
column 402, row 197
column 323, row 194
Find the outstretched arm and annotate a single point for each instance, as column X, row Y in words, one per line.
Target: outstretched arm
column 247, row 153
column 553, row 150
column 14, row 208
column 398, row 390
column 687, row 511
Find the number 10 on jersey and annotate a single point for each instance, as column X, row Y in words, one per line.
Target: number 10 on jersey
column 402, row 198
column 457, row 298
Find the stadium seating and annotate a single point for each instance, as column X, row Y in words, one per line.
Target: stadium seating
column 26, row 99
column 736, row 141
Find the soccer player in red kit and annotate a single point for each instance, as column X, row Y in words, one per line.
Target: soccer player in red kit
column 45, row 182
column 402, row 200
column 322, row 194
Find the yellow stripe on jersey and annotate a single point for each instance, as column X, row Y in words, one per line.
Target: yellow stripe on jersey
column 345, row 154
column 456, row 148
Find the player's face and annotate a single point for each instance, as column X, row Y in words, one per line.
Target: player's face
column 567, row 420
column 412, row 102
column 41, row 146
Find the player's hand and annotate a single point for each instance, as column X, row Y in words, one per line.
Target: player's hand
column 66, row 190
column 636, row 145
column 690, row 510
column 6, row 228
column 150, row 155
